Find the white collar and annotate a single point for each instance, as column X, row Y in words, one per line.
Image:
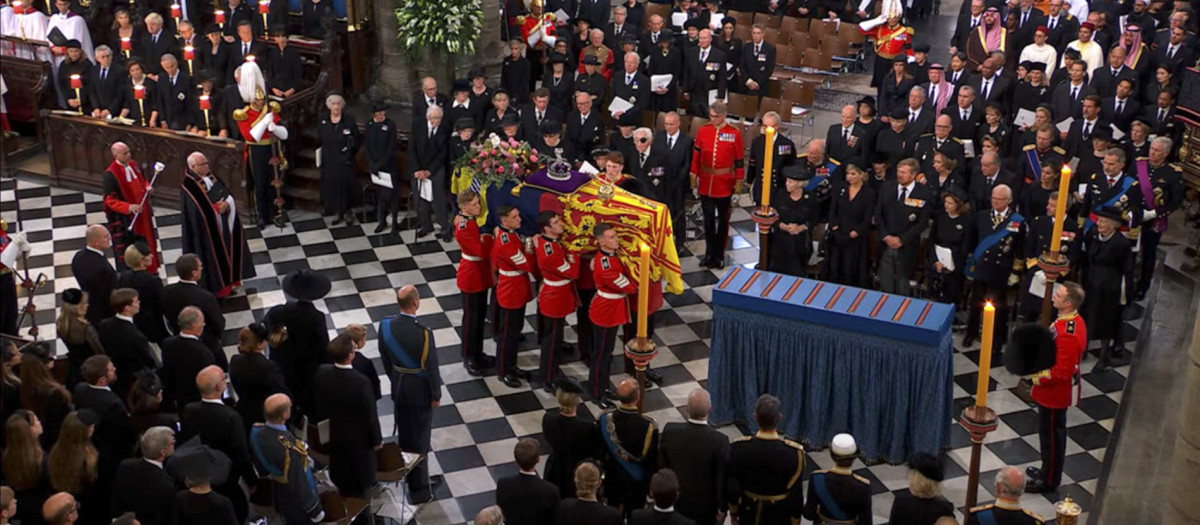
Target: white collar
column 915, row 111
column 185, row 281
column 667, row 510
column 673, row 137
column 343, row 367
column 153, row 462
column 465, row 104
column 1106, row 237
column 123, row 318
column 213, row 401
column 584, row 116
column 700, row 422
column 534, row 473
column 1114, row 177
column 188, row 336
column 1001, row 212
column 95, row 251
column 907, row 187
column 98, row 387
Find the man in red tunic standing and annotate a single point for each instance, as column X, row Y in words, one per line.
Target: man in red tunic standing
column 126, row 203
column 474, row 279
column 1052, row 388
column 716, row 170
column 608, row 312
column 557, row 297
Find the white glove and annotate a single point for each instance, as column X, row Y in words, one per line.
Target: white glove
column 279, row 131
column 21, row 242
column 1149, row 215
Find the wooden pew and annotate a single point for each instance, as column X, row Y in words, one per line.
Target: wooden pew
column 79, row 153
column 30, row 87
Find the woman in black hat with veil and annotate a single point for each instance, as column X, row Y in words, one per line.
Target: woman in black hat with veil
column 299, row 336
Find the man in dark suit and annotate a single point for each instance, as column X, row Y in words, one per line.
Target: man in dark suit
column 525, row 498
column 427, row 98
column 1067, row 98
column 920, row 116
column 678, row 149
column 283, row 70
column 619, row 27
column 1162, row 115
column 757, row 64
column 344, row 398
column 410, row 359
column 965, row 27
column 1120, row 110
column 1029, row 18
column 847, row 142
column 154, row 43
column 254, row 377
column 703, row 72
column 184, row 356
column 237, row 12
column 429, row 157
column 123, row 342
column 1175, row 53
column 989, row 86
column 664, row 490
column 1079, row 136
column 174, row 89
column 957, row 74
column 245, row 45
column 94, row 273
column 142, row 486
column 648, row 165
column 991, row 173
column 964, row 115
column 901, row 215
column 631, row 86
column 635, row 434
column 113, row 436
column 1104, row 79
column 995, row 240
column 585, row 128
column 537, row 111
column 698, row 454
column 186, row 293
column 1062, row 25
column 221, row 428
column 104, row 84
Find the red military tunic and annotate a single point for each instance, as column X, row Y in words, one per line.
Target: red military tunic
column 123, row 189
column 717, row 160
column 1052, row 387
column 247, row 124
column 536, row 29
column 513, row 289
column 891, row 41
column 475, row 268
column 559, row 269
column 610, row 307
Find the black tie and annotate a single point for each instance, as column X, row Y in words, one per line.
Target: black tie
column 1053, row 22
column 154, row 39
column 245, row 49
column 670, row 143
column 987, row 87
column 974, row 22
column 912, row 115
column 1074, row 93
column 933, row 93
column 965, row 115
column 991, row 181
column 643, row 159
column 104, row 74
column 1024, row 18
column 1120, row 107
column 1087, row 129
column 432, row 131
column 757, row 49
column 1162, row 114
column 539, row 117
column 654, row 38
column 1115, row 73
column 846, row 134
column 1171, row 51
column 903, row 193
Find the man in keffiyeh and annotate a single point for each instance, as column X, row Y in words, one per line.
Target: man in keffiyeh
column 1137, row 56
column 126, row 202
column 989, row 36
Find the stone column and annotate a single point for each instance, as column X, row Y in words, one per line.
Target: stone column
column 1183, row 507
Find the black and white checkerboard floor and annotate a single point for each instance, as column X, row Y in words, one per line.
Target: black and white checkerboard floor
column 481, row 419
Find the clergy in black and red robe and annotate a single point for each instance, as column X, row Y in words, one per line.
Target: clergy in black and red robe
column 125, row 187
column 213, row 230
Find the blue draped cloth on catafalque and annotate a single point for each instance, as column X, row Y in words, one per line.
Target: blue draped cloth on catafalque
column 840, row 359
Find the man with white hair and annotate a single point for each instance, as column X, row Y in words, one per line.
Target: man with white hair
column 648, row 164
column 1010, row 485
column 698, row 454
column 259, row 124
column 428, row 155
column 127, row 206
column 631, row 86
column 141, row 485
column 212, row 230
column 993, row 240
column 154, row 43
column 838, row 495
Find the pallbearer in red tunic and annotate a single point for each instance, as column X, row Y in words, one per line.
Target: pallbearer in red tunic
column 474, row 279
column 609, row 310
column 124, row 190
column 557, row 297
column 212, row 230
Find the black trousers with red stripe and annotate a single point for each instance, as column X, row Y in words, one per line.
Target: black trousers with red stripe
column 716, row 226
column 474, row 310
column 512, row 320
column 551, row 338
column 1052, row 432
column 603, row 339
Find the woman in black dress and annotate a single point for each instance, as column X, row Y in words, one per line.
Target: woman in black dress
column 495, row 116
column 994, row 125
column 131, row 106
column 665, row 59
column 214, row 124
column 731, row 45
column 867, row 113
column 1034, row 197
column 850, row 213
column 791, row 236
column 945, row 176
column 480, row 93
column 893, row 89
column 149, row 318
column 24, row 465
column 950, row 227
column 1108, row 285
column 42, row 394
column 572, row 437
column 339, row 143
column 216, row 55
column 585, row 508
column 516, row 75
column 923, row 504
column 560, row 82
column 76, row 332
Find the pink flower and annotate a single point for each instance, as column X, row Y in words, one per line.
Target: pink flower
column 533, row 158
column 500, row 169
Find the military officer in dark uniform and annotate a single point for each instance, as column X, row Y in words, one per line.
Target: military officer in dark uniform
column 410, row 359
column 838, row 495
column 1010, row 484
column 1041, row 153
column 764, row 472
column 1039, row 231
column 1112, row 187
column 939, row 140
column 1166, row 186
column 820, row 171
column 994, row 241
column 630, row 445
column 784, row 155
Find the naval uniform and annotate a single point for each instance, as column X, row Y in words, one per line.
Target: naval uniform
column 1038, row 235
column 1002, row 513
column 994, row 239
column 838, row 496
column 1164, row 195
column 410, row 359
column 630, row 446
column 763, row 483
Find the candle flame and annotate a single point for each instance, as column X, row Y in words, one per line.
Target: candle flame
column 75, row 77
column 989, row 305
column 1066, row 170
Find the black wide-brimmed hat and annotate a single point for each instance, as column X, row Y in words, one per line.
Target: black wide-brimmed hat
column 1030, row 349
column 1109, row 212
column 198, row 461
column 928, row 465
column 306, row 285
